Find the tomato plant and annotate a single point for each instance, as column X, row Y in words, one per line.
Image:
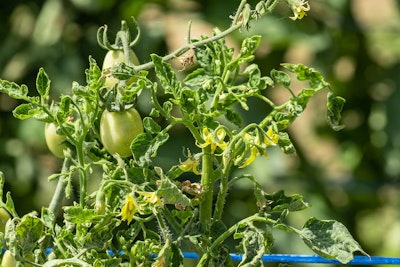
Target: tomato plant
column 145, row 214
column 118, row 129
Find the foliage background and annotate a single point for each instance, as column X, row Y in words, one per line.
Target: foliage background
column 351, row 176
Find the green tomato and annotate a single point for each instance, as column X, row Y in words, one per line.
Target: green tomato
column 8, row 260
column 118, row 129
column 4, row 217
column 117, row 56
column 54, row 140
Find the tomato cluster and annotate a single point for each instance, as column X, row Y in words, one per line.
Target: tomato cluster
column 117, row 128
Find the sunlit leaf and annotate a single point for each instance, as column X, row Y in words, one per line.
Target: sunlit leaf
column 305, row 73
column 279, row 202
column 14, row 90
column 166, row 75
column 42, row 83
column 171, row 194
column 330, row 239
column 29, row 231
column 26, row 111
column 254, row 244
column 93, row 74
column 249, row 45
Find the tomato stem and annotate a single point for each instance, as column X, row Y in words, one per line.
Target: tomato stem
column 58, row 196
column 207, row 181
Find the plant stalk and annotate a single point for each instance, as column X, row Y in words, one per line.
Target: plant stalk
column 207, row 181
column 59, row 193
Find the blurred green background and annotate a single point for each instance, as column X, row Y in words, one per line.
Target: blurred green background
column 351, row 176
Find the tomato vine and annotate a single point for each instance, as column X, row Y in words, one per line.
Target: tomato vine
column 98, row 126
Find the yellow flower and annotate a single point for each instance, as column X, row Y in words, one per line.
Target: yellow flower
column 150, row 197
column 299, row 8
column 255, row 143
column 190, row 165
column 214, row 141
column 251, row 158
column 129, row 209
column 270, row 138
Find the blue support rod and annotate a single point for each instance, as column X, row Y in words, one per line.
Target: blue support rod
column 291, row 258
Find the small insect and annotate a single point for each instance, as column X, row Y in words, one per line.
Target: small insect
column 187, row 59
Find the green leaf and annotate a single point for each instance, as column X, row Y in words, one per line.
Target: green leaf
column 140, row 145
column 214, row 57
column 167, row 107
column 65, row 107
column 189, row 101
column 278, row 202
column 281, row 77
column 333, row 111
column 130, row 92
column 304, row 96
column 14, row 90
column 255, row 242
column 26, row 111
column 195, row 77
column 249, row 45
column 93, row 75
column 305, row 73
column 285, row 144
column 254, row 74
column 167, row 76
column 169, row 255
column 145, row 146
column 282, row 120
column 42, row 83
column 171, row 194
column 121, row 71
column 151, row 126
column 330, row 239
column 29, row 231
column 79, row 215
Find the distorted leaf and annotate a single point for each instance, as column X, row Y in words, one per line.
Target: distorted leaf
column 334, row 109
column 330, row 239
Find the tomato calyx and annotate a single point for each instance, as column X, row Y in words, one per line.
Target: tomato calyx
column 122, row 38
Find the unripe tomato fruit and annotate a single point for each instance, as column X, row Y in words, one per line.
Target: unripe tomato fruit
column 117, row 56
column 54, row 140
column 8, row 260
column 4, row 217
column 118, row 129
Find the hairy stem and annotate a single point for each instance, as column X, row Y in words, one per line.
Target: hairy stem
column 59, row 193
column 207, row 181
